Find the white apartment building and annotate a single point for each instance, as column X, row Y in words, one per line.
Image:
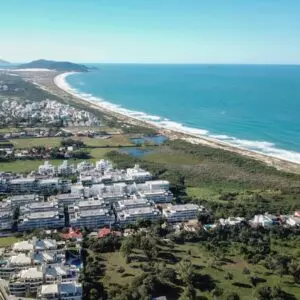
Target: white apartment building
column 65, row 200
column 93, row 219
column 66, row 169
column 21, row 200
column 103, row 165
column 133, row 202
column 157, row 196
column 46, row 169
column 60, row 291
column 22, row 185
column 138, row 175
column 133, row 214
column 84, row 166
column 181, row 212
column 6, row 219
column 45, row 219
column 39, row 207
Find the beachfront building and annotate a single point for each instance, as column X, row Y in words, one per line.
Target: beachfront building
column 181, row 212
column 132, row 215
column 93, row 218
column 60, row 291
column 46, row 169
column 46, row 219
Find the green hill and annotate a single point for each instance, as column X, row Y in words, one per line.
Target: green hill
column 54, row 65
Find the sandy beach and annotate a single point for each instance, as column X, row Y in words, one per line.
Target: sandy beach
column 55, row 83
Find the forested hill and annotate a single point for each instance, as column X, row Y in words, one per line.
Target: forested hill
column 54, row 65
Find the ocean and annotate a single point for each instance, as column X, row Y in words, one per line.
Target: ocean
column 256, row 107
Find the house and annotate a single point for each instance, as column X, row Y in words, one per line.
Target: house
column 293, row 221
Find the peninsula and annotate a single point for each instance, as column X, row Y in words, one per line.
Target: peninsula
column 61, row 66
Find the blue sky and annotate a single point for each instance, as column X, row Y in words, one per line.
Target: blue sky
column 151, row 31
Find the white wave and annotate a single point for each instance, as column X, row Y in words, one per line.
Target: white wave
column 262, row 147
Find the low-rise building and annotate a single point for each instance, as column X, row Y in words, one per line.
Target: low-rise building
column 21, row 200
column 46, row 169
column 133, row 202
column 293, row 221
column 60, row 291
column 22, row 185
column 35, row 245
column 134, row 214
column 231, row 221
column 94, row 218
column 66, row 169
column 45, row 219
column 181, row 212
column 138, row 175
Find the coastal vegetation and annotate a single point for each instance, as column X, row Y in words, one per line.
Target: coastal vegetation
column 237, row 262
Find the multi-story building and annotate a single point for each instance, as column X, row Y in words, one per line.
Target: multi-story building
column 6, row 219
column 133, row 202
column 157, row 196
column 60, row 291
column 84, row 166
column 142, row 213
column 21, row 200
column 46, row 169
column 138, row 175
column 94, row 218
column 45, row 219
column 22, row 185
column 66, row 169
column 181, row 212
column 39, row 207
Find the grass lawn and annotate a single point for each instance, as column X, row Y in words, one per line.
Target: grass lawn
column 7, row 241
column 115, row 140
column 34, row 142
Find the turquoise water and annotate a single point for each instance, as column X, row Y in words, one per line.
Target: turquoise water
column 255, row 107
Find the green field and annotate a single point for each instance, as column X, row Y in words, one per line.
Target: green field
column 7, row 241
column 115, row 140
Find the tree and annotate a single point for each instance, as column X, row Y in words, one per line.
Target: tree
column 94, row 294
column 126, row 248
column 232, row 296
column 294, row 269
column 264, row 293
column 186, row 272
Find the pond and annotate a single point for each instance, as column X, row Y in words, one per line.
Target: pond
column 137, row 151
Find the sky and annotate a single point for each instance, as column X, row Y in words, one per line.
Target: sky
column 151, row 31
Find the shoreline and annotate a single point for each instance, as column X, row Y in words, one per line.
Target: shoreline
column 56, row 84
